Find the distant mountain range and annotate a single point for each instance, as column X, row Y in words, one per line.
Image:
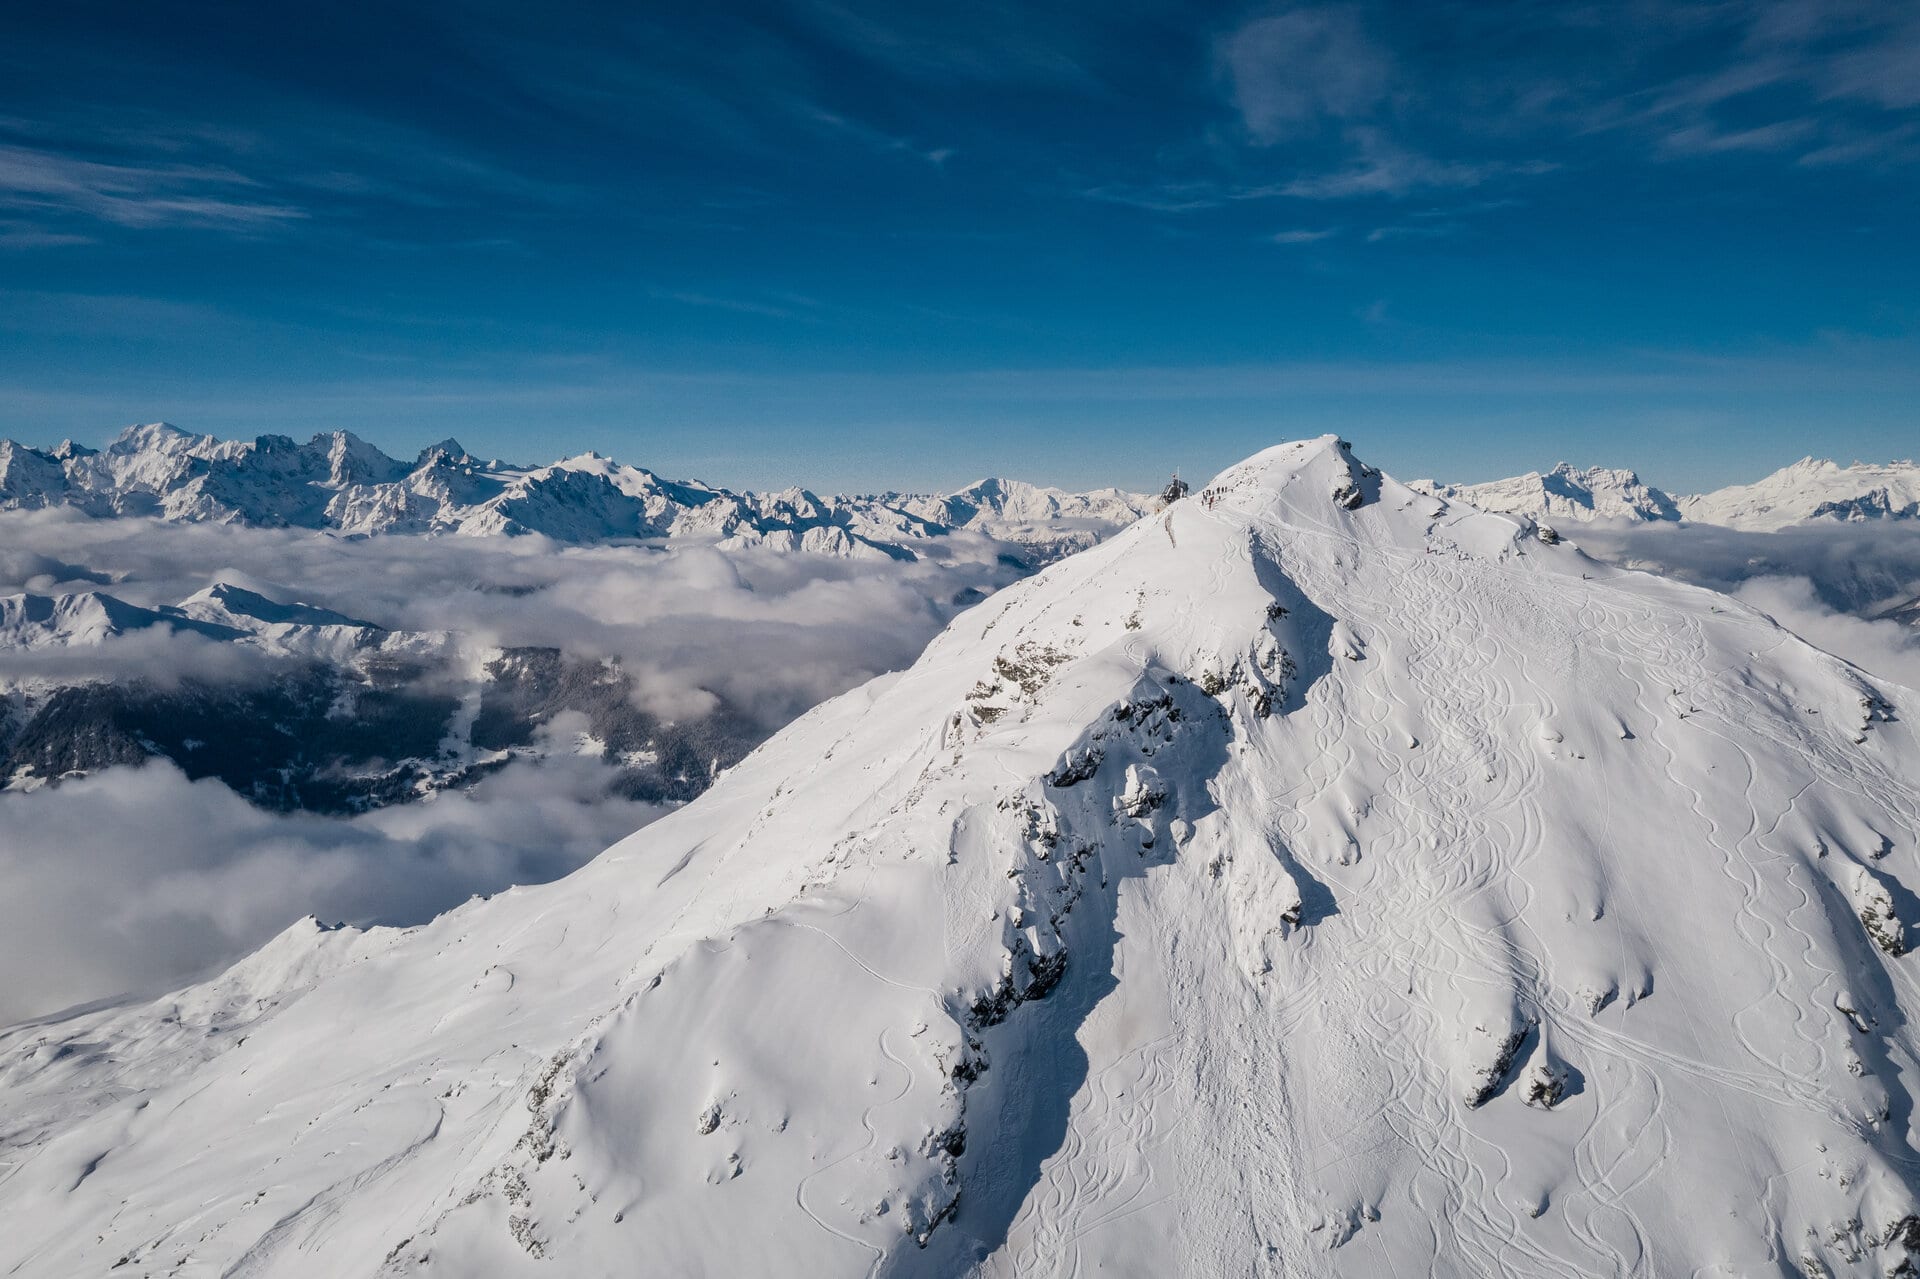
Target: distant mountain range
column 1808, row 491
column 339, row 482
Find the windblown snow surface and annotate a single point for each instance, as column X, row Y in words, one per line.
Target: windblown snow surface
column 1314, row 879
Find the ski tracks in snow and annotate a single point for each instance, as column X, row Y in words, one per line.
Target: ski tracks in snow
column 873, row 1135
column 1103, row 1170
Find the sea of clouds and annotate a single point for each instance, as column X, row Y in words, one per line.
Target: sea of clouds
column 137, row 879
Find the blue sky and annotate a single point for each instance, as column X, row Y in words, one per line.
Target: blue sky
column 861, row 245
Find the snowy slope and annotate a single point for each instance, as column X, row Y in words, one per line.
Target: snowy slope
column 339, row 482
column 1314, row 879
column 1564, row 493
column 1811, row 489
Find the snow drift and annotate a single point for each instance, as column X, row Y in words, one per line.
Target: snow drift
column 1316, row 878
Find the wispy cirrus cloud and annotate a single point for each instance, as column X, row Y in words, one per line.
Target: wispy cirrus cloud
column 1821, row 82
column 1332, row 102
column 1303, row 235
column 1707, row 139
column 1432, row 230
column 76, row 176
column 136, row 195
column 16, row 234
column 997, row 42
column 1379, row 166
column 785, row 307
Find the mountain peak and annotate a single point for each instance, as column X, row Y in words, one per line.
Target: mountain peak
column 228, row 602
column 152, row 436
column 1281, row 466
column 448, row 450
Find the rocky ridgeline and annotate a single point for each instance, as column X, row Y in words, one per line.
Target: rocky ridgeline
column 341, row 483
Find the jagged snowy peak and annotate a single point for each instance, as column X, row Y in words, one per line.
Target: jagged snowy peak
column 1314, row 879
column 306, row 630
column 339, row 482
column 1813, row 489
column 223, row 611
column 236, row 605
column 91, row 617
column 989, row 502
column 1564, row 493
column 1048, row 522
column 30, row 479
column 1809, row 490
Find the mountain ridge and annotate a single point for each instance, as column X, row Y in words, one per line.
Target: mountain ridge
column 1810, row 491
column 341, row 483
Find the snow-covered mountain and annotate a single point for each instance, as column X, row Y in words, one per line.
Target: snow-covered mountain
column 1029, row 514
column 91, row 617
column 339, row 482
column 1808, row 491
column 1814, row 490
column 1564, row 493
column 1315, row 879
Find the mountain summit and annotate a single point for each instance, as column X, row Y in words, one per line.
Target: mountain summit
column 1316, row 878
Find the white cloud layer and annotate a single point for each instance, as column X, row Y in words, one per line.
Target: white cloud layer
column 138, row 880
column 772, row 632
